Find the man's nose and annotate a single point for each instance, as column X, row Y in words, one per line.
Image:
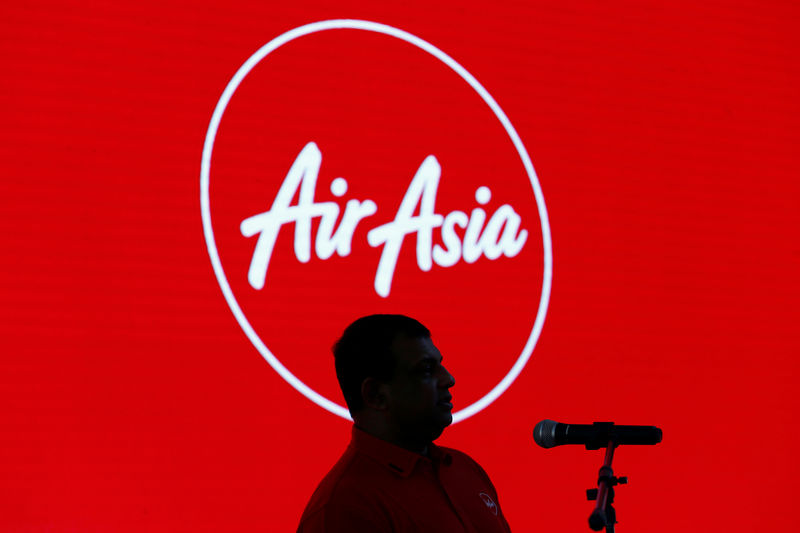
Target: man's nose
column 447, row 380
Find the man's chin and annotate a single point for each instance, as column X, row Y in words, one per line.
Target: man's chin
column 443, row 423
column 448, row 419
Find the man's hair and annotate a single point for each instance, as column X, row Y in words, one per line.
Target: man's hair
column 365, row 351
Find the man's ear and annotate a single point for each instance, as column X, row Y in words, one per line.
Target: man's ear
column 373, row 393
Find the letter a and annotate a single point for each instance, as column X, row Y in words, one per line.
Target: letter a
column 422, row 192
column 303, row 175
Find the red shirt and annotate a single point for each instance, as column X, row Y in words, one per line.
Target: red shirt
column 379, row 487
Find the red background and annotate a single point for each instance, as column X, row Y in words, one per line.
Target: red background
column 665, row 142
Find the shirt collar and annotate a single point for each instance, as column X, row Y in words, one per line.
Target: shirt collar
column 394, row 458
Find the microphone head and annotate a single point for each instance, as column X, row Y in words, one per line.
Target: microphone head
column 544, row 434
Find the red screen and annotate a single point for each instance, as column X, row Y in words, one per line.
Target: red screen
column 594, row 208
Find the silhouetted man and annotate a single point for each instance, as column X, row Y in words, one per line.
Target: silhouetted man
column 392, row 478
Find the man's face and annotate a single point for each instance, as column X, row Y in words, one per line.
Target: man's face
column 418, row 397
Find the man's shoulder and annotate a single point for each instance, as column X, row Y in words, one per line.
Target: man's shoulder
column 346, row 495
column 345, row 482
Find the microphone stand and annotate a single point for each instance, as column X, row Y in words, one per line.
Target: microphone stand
column 604, row 515
column 548, row 433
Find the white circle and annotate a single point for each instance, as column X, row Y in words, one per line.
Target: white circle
column 483, row 195
column 208, row 232
column 339, row 187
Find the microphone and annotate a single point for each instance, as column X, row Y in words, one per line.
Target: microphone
column 549, row 433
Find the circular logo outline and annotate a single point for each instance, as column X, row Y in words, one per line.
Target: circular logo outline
column 208, row 232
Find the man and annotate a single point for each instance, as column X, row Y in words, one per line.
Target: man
column 392, row 478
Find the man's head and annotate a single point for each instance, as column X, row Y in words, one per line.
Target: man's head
column 392, row 377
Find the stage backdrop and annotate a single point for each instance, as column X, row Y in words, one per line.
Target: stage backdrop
column 593, row 206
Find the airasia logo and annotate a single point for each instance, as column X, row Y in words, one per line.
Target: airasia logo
column 500, row 236
column 323, row 201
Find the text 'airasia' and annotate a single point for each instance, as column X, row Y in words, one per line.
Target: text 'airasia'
column 501, row 235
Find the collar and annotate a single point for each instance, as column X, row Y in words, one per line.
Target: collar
column 394, row 458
